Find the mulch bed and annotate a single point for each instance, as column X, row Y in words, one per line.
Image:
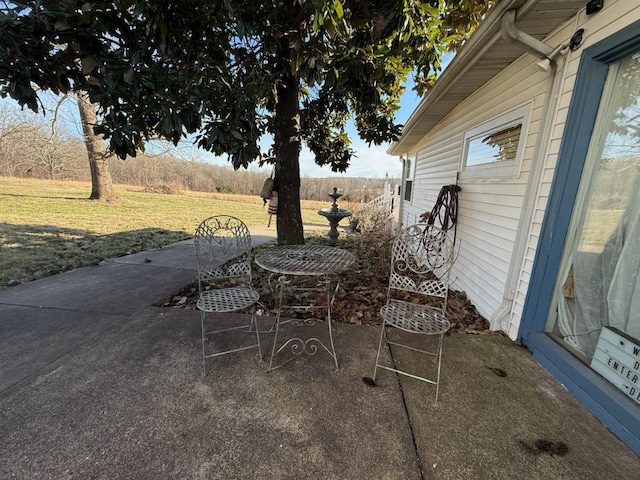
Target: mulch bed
column 361, row 294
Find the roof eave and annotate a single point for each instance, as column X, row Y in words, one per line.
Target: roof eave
column 487, row 33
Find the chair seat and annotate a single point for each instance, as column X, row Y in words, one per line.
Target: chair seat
column 415, row 318
column 227, row 299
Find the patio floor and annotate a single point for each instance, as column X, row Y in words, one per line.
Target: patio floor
column 96, row 382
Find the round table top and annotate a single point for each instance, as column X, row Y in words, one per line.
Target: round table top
column 304, row 259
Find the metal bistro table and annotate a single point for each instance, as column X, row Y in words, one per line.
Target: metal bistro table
column 322, row 262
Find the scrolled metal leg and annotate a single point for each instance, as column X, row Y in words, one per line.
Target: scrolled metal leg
column 269, row 281
column 329, row 302
column 335, row 290
column 298, row 345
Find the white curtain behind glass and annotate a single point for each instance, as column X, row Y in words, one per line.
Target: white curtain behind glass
column 599, row 280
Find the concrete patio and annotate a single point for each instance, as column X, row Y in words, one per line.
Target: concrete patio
column 97, row 382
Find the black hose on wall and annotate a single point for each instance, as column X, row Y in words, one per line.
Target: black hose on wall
column 445, row 210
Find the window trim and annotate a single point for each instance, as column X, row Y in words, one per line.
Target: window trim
column 506, row 169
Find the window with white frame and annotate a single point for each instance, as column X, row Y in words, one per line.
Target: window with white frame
column 495, row 148
column 410, row 167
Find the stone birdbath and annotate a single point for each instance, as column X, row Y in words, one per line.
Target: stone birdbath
column 334, row 215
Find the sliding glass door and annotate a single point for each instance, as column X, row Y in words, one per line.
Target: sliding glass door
column 598, row 281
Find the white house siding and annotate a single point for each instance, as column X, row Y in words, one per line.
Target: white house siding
column 429, row 178
column 489, row 209
column 615, row 16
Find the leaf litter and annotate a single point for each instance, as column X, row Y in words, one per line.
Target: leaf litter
column 360, row 296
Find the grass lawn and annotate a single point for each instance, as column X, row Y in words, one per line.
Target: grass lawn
column 47, row 227
column 598, row 227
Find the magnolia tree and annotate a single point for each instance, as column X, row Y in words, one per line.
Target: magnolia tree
column 227, row 72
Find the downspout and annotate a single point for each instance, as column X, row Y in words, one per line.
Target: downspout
column 554, row 62
column 526, row 41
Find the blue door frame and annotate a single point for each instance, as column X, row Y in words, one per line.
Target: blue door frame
column 611, row 406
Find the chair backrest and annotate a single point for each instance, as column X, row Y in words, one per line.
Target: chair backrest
column 421, row 259
column 223, row 248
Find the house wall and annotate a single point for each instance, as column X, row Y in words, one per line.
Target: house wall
column 490, row 209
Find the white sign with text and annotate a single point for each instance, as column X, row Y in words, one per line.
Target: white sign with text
column 617, row 358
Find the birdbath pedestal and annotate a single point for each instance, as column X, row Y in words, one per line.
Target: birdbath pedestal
column 334, row 215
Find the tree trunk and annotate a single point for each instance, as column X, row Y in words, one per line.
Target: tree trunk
column 287, row 151
column 101, row 184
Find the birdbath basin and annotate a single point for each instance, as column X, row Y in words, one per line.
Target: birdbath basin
column 334, row 214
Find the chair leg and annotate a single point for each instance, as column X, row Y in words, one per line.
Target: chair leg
column 440, row 341
column 254, row 322
column 382, row 335
column 438, row 358
column 204, row 339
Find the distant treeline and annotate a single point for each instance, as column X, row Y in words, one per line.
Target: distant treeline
column 32, row 149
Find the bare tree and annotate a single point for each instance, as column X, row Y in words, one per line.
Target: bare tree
column 101, row 183
column 31, row 146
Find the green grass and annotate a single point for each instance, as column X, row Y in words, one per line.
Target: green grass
column 48, row 227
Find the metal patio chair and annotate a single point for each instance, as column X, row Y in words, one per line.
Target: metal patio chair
column 223, row 253
column 421, row 260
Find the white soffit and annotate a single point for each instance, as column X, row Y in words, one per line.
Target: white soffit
column 483, row 56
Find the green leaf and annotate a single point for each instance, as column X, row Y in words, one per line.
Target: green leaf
column 116, row 139
column 88, row 64
column 146, row 81
column 128, row 76
column 166, row 125
column 337, row 7
column 61, row 25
